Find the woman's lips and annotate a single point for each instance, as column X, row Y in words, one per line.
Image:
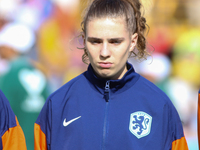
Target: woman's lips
column 105, row 64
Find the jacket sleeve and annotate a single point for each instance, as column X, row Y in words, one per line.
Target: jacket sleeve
column 12, row 136
column 42, row 128
column 180, row 144
column 178, row 138
column 198, row 119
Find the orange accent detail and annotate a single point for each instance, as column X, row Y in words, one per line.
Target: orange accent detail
column 198, row 120
column 180, row 144
column 13, row 138
column 40, row 142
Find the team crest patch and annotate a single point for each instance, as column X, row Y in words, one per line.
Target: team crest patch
column 140, row 124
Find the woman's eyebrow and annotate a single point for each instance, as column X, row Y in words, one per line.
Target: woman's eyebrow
column 93, row 38
column 119, row 39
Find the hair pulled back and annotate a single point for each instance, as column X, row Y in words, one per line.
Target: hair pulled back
column 129, row 9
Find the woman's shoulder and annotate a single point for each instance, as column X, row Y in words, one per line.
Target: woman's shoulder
column 70, row 86
column 153, row 96
column 151, row 89
column 3, row 100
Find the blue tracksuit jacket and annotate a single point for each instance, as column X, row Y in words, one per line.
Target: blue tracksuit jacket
column 89, row 113
column 11, row 134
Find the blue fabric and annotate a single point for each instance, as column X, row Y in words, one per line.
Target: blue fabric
column 7, row 116
column 106, row 124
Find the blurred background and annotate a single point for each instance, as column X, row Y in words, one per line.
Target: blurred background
column 54, row 58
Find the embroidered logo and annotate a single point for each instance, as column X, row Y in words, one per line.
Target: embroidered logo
column 140, row 124
column 70, row 121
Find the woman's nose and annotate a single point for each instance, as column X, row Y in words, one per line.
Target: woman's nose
column 105, row 52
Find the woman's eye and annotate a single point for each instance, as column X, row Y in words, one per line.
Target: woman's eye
column 95, row 42
column 115, row 42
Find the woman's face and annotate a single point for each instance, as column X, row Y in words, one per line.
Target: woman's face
column 108, row 43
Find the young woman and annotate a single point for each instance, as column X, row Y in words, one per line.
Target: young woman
column 110, row 106
column 11, row 134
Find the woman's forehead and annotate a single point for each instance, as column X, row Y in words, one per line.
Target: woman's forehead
column 104, row 21
column 111, row 18
column 107, row 27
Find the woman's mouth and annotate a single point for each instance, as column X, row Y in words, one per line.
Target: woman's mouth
column 105, row 64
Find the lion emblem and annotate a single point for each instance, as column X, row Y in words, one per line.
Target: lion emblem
column 140, row 124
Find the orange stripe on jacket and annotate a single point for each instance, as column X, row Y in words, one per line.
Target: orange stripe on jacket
column 180, row 144
column 40, row 142
column 198, row 120
column 13, row 138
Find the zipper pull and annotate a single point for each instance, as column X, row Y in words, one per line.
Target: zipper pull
column 107, row 91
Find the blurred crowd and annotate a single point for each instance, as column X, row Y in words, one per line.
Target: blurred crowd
column 39, row 52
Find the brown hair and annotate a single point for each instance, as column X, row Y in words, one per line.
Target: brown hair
column 130, row 9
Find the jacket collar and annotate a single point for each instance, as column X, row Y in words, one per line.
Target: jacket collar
column 116, row 86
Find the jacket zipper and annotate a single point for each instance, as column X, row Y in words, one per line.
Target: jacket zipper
column 107, row 97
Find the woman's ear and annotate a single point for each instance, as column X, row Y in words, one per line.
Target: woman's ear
column 134, row 39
